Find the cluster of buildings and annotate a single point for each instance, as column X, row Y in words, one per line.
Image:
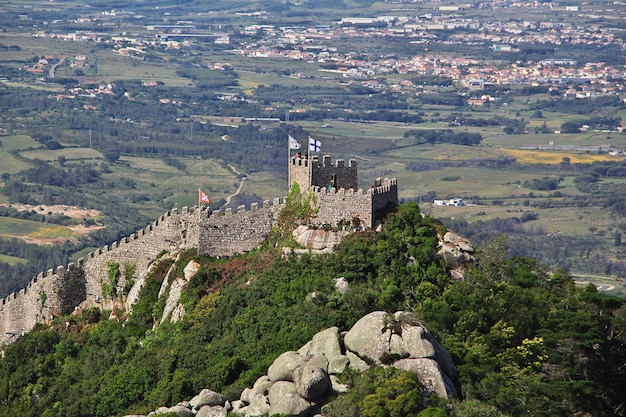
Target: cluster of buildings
column 93, row 92
column 319, row 43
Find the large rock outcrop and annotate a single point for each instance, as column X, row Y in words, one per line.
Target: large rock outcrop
column 401, row 341
column 457, row 251
column 173, row 310
column 299, row 382
column 318, row 239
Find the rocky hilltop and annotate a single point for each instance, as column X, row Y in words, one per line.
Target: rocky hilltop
column 299, row 334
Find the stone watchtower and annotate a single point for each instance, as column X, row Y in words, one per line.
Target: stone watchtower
column 338, row 199
column 311, row 173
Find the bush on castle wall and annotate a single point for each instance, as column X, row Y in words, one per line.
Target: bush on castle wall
column 109, row 287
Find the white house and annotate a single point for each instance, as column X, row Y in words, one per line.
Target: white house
column 451, row 202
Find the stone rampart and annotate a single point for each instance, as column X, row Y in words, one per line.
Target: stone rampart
column 218, row 234
column 43, row 298
column 355, row 208
column 226, row 232
column 171, row 231
column 384, row 192
column 38, row 302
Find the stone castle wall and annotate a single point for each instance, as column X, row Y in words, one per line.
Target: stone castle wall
column 38, row 302
column 217, row 234
column 171, row 231
column 350, row 207
column 338, row 175
column 384, row 193
column 299, row 172
column 227, row 233
column 19, row 312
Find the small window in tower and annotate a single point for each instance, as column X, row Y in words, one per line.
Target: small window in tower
column 333, row 180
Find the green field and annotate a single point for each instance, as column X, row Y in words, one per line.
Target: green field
column 11, row 164
column 113, row 67
column 18, row 142
column 18, row 227
column 12, row 260
column 70, row 154
column 470, row 182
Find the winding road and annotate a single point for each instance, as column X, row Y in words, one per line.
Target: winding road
column 54, row 68
column 241, row 184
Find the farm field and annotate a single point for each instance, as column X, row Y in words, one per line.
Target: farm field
column 31, row 230
column 10, row 164
column 71, row 154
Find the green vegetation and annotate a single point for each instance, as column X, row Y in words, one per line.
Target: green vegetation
column 525, row 340
column 380, row 392
column 109, row 284
column 297, row 211
column 129, row 276
column 18, row 227
column 12, row 260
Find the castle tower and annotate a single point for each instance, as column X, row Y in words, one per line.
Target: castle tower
column 309, row 172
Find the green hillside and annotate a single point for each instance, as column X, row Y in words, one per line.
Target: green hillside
column 526, row 340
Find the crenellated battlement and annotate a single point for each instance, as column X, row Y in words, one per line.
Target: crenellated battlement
column 381, row 187
column 337, row 198
column 253, row 207
column 39, row 301
column 227, row 232
column 310, row 172
column 358, row 208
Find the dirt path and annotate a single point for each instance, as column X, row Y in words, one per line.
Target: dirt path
column 241, row 184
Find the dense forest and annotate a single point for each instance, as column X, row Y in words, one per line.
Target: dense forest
column 525, row 339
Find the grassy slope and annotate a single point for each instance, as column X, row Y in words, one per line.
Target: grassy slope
column 9, row 163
